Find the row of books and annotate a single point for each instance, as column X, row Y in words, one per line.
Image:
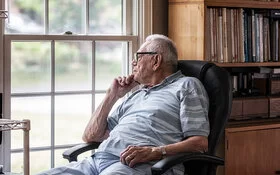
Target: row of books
column 260, row 83
column 243, row 35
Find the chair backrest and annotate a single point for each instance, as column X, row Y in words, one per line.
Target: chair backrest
column 217, row 83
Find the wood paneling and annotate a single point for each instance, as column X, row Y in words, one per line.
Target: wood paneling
column 252, row 150
column 186, row 28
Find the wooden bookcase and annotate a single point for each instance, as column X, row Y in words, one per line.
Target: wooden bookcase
column 253, row 150
column 188, row 27
column 187, row 24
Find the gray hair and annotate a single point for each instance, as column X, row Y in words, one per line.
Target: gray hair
column 164, row 46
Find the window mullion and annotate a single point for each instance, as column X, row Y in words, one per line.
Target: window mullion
column 52, row 102
column 47, row 17
column 93, row 75
column 87, row 17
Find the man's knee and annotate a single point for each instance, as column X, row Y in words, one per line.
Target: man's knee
column 121, row 169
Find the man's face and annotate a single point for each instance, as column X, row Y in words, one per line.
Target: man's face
column 143, row 67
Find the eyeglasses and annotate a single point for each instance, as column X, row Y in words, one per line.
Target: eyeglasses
column 136, row 55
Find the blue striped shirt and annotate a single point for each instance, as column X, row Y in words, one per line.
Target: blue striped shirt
column 167, row 113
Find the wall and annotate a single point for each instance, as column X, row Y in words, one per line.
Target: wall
column 160, row 17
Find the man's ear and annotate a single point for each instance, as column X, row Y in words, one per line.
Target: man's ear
column 158, row 61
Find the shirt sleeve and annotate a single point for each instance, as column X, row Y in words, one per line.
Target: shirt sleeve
column 113, row 119
column 194, row 109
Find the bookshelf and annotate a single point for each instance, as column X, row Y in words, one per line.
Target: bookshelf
column 189, row 26
column 189, row 23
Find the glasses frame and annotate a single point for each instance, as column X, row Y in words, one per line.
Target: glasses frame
column 136, row 57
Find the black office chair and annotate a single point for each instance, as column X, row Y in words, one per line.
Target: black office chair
column 217, row 83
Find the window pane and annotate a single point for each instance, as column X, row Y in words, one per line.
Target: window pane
column 67, row 15
column 38, row 111
column 39, row 161
column 17, row 162
column 109, row 58
column 30, row 67
column 73, row 66
column 27, row 13
column 72, row 112
column 60, row 161
column 105, row 17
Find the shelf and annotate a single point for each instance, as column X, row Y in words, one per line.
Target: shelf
column 267, row 64
column 254, row 121
column 232, row 3
column 8, row 125
column 243, row 4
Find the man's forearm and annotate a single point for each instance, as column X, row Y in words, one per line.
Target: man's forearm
column 192, row 144
column 97, row 126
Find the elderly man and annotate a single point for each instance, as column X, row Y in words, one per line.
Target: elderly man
column 166, row 116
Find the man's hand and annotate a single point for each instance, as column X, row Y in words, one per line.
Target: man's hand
column 136, row 154
column 122, row 85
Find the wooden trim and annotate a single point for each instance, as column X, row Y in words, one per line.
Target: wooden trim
column 243, row 4
column 231, row 3
column 70, row 37
column 268, row 64
column 253, row 128
column 176, row 2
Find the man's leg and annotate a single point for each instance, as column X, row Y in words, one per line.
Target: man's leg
column 141, row 169
column 83, row 167
column 121, row 169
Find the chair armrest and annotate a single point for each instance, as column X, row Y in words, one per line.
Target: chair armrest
column 72, row 153
column 165, row 164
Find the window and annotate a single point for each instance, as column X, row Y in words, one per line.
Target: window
column 56, row 79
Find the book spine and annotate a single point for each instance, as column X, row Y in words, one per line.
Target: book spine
column 276, row 40
column 241, row 34
column 220, row 36
column 245, row 36
column 253, row 36
column 257, row 35
column 261, row 37
column 225, row 37
column 212, row 40
column 232, row 35
column 249, row 36
column 265, row 38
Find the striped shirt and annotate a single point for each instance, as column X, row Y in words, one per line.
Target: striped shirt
column 164, row 114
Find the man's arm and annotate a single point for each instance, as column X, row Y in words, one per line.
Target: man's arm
column 96, row 129
column 135, row 154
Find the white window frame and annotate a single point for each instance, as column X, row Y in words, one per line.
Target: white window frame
column 144, row 28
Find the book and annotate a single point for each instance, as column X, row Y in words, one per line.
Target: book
column 253, row 36
column 225, row 35
column 232, row 35
column 229, row 36
column 241, row 35
column 275, row 70
column 261, row 46
column 257, row 35
column 265, row 39
column 249, row 36
column 245, row 31
column 212, row 40
column 220, row 36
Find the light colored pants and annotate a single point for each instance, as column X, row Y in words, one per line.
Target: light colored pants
column 96, row 166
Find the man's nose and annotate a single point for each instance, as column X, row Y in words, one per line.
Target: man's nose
column 134, row 62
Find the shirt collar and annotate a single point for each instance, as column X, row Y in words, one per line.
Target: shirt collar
column 168, row 80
